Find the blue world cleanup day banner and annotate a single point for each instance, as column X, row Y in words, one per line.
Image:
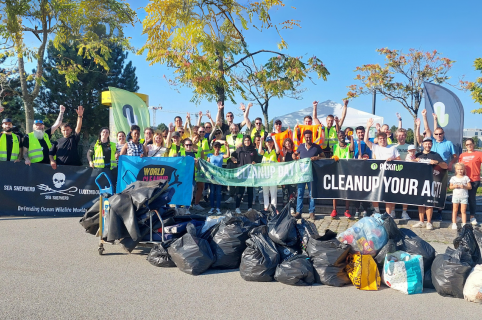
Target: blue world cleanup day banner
column 179, row 171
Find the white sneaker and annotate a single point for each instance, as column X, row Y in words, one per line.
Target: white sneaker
column 188, row 212
column 230, row 200
column 419, row 224
column 211, row 211
column 405, row 216
column 459, row 219
column 198, row 207
column 292, row 211
column 473, row 221
column 454, row 226
column 237, row 211
column 463, row 224
column 205, row 192
column 429, row 226
column 357, row 215
column 392, row 215
column 218, row 211
column 363, row 214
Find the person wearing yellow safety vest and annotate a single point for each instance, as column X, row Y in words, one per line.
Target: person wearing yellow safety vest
column 64, row 151
column 174, row 144
column 10, row 143
column 270, row 155
column 331, row 136
column 134, row 147
column 103, row 151
column 36, row 145
column 230, row 118
column 342, row 150
column 258, row 129
column 386, row 129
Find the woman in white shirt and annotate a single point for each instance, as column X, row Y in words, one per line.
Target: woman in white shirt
column 158, row 147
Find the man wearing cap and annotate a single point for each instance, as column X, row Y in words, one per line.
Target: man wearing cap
column 432, row 158
column 36, row 144
column 10, row 143
column 64, row 151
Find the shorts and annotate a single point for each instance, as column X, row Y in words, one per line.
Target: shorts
column 460, row 200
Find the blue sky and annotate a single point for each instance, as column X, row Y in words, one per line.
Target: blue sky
column 344, row 35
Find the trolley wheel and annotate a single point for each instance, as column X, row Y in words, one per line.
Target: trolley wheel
column 101, row 249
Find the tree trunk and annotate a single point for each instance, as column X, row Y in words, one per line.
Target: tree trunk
column 29, row 115
column 415, row 137
column 220, row 87
column 265, row 115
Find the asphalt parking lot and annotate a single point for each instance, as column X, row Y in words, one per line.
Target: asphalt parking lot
column 50, row 269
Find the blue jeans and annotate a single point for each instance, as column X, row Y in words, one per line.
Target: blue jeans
column 299, row 200
column 215, row 192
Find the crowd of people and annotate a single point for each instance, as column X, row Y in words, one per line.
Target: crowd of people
column 221, row 143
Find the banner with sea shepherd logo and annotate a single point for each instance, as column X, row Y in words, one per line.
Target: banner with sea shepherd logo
column 178, row 171
column 257, row 175
column 400, row 182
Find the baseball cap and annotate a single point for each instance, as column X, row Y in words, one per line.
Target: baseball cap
column 7, row 120
column 427, row 139
column 176, row 134
column 217, row 131
column 277, row 121
column 38, row 121
column 411, row 147
column 269, row 138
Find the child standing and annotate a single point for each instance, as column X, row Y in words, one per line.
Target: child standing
column 216, row 158
column 460, row 183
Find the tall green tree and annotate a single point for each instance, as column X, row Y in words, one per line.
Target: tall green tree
column 87, row 90
column 64, row 21
column 475, row 87
column 204, row 42
column 402, row 76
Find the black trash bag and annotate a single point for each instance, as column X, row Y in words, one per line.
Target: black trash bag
column 467, row 240
column 449, row 272
column 282, row 227
column 478, row 237
column 159, row 257
column 329, row 260
column 306, row 230
column 413, row 244
column 295, row 271
column 391, row 227
column 427, row 279
column 260, row 259
column 229, row 242
column 315, row 245
column 190, row 253
column 390, row 247
column 257, row 218
column 286, row 252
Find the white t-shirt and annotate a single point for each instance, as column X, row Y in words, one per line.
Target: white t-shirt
column 460, row 193
column 154, row 151
column 384, row 153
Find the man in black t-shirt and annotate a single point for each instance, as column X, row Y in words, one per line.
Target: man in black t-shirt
column 40, row 139
column 66, row 148
column 314, row 152
column 230, row 119
column 434, row 159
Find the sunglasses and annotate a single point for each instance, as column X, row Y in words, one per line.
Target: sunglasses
column 165, row 137
column 208, row 127
column 278, row 124
column 469, row 144
column 188, row 144
column 181, row 132
column 438, row 134
column 257, row 122
column 202, row 131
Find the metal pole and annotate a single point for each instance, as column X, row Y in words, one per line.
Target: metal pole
column 374, row 101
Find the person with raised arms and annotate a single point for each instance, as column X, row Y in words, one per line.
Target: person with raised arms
column 230, row 118
column 208, row 126
column 174, row 144
column 318, row 136
column 36, row 144
column 314, row 152
column 330, row 133
column 432, row 158
column 382, row 151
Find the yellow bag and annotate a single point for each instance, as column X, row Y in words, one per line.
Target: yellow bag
column 363, row 272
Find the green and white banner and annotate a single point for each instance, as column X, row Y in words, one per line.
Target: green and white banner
column 257, row 175
column 128, row 109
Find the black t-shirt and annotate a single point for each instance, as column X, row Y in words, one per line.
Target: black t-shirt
column 312, row 152
column 188, row 154
column 10, row 144
column 43, row 144
column 66, row 150
column 288, row 156
column 106, row 150
column 430, row 156
column 225, row 128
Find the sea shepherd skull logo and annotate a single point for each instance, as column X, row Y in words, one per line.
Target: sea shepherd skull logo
column 59, row 180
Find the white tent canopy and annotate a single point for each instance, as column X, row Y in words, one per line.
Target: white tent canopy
column 354, row 117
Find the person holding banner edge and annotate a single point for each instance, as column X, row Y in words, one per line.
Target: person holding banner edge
column 432, row 158
column 314, row 152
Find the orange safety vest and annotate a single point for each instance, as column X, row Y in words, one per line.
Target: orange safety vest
column 280, row 137
column 318, row 134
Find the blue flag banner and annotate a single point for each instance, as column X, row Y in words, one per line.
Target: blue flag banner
column 449, row 110
column 178, row 171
